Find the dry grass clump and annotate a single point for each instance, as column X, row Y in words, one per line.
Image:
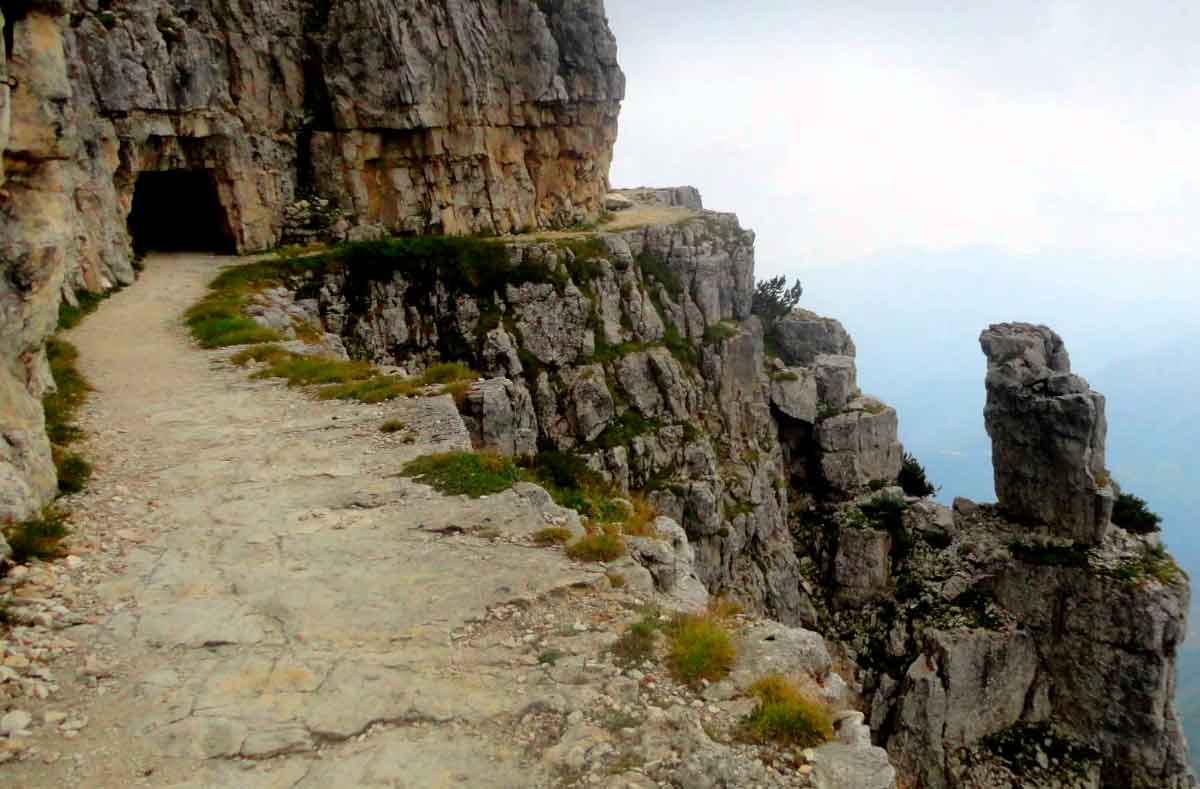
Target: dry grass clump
column 636, row 644
column 553, row 535
column 640, row 521
column 392, row 426
column 37, row 538
column 785, row 716
column 602, row 545
column 701, row 648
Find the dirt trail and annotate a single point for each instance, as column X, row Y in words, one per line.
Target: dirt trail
column 276, row 607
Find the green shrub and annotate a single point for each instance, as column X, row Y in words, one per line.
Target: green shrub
column 783, row 715
column 603, row 546
column 773, row 300
column 624, row 429
column 37, row 538
column 912, row 478
column 699, row 648
column 885, row 512
column 471, row 474
column 392, row 426
column 1132, row 514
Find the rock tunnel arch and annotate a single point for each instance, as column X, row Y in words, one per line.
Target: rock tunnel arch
column 179, row 210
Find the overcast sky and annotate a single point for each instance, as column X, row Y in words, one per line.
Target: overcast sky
column 842, row 131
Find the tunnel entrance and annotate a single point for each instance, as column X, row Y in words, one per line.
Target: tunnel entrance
column 178, row 210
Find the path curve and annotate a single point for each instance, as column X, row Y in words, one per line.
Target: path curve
column 274, row 605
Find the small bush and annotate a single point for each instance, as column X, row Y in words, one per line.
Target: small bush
column 471, row 474
column 392, row 426
column 1133, row 515
column 885, row 512
column 785, row 716
column 773, row 300
column 603, row 546
column 553, row 535
column 655, row 268
column 37, row 538
column 912, row 478
column 624, row 429
column 700, row 648
column 551, row 656
column 636, row 644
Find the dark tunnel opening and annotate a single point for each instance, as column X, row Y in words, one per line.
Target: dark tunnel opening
column 179, row 210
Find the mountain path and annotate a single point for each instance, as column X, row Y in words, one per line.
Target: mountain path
column 268, row 603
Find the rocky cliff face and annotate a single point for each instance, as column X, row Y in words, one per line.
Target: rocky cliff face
column 635, row 349
column 1029, row 643
column 407, row 117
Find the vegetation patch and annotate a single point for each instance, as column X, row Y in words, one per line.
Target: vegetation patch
column 656, row 268
column 784, row 716
column 572, row 484
column 471, row 474
column 885, row 512
column 636, row 644
column 720, row 332
column 700, row 648
column 679, row 347
column 1050, row 555
column 37, row 538
column 61, row 407
column 1132, row 514
column 70, row 316
column 392, row 426
column 912, row 478
column 604, row 545
column 553, row 535
column 774, row 300
column 624, row 429
column 1154, row 564
column 1034, row 750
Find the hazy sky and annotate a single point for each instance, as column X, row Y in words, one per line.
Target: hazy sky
column 846, row 130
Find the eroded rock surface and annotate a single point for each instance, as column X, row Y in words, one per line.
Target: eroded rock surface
column 346, row 120
column 1048, row 434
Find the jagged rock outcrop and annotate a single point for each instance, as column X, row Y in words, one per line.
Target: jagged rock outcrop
column 993, row 654
column 394, row 117
column 1048, row 429
column 602, row 345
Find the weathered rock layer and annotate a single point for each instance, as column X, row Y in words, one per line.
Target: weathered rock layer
column 408, row 117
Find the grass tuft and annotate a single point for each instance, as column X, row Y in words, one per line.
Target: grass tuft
column 603, row 546
column 636, row 645
column 785, row 716
column 553, row 535
column 37, row 538
column 471, row 474
column 700, row 649
column 392, row 426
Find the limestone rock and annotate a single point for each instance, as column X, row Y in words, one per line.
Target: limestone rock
column 794, row 392
column 500, row 417
column 803, row 336
column 862, row 567
column 859, row 445
column 836, row 380
column 1048, row 432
